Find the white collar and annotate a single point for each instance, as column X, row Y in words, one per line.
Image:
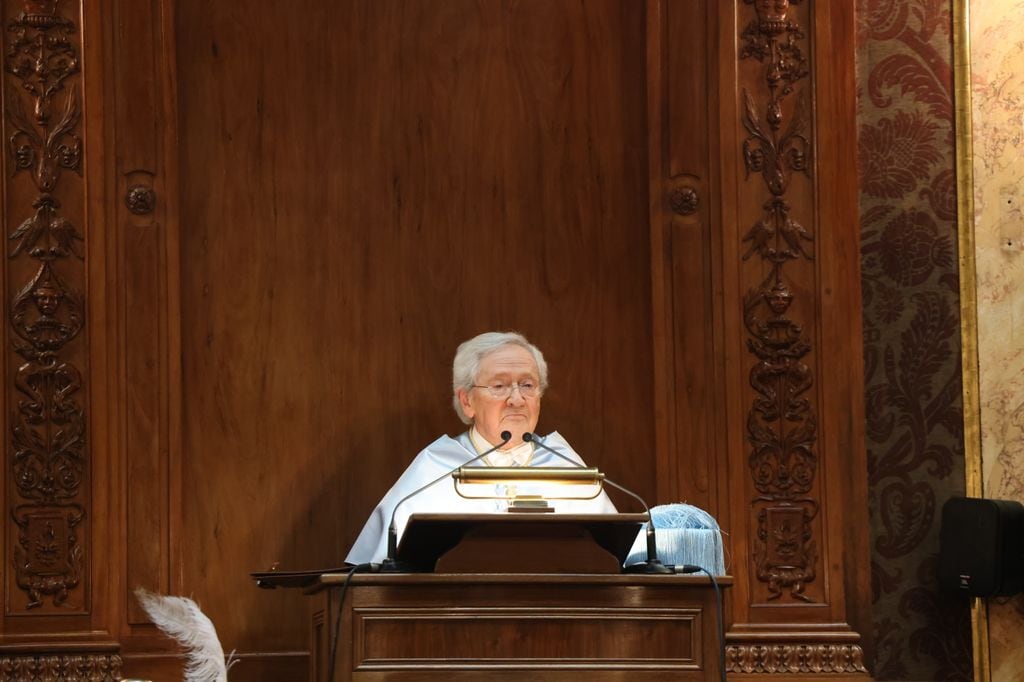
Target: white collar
column 518, row 456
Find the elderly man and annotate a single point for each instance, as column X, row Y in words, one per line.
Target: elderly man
column 497, row 382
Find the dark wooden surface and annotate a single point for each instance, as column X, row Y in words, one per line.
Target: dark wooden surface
column 518, row 543
column 542, row 627
column 343, row 192
column 455, row 167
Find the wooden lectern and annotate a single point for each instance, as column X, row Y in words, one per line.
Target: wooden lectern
column 518, row 543
column 523, row 611
column 515, row 627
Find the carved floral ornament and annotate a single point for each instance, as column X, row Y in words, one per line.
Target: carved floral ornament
column 47, row 314
column 140, row 199
column 794, row 659
column 781, row 424
column 42, row 57
column 684, row 200
column 97, row 667
column 773, row 15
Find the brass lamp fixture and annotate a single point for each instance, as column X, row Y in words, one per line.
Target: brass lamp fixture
column 554, row 483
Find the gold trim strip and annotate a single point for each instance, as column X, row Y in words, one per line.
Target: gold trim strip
column 566, row 475
column 965, row 239
column 968, row 299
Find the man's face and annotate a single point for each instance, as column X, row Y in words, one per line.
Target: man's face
column 516, row 413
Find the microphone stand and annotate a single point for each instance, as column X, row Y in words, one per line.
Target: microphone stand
column 390, row 564
column 652, row 566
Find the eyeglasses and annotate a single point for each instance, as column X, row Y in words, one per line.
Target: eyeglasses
column 499, row 391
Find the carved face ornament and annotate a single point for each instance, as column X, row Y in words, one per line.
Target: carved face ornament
column 47, row 299
column 40, row 8
column 779, row 298
column 773, row 15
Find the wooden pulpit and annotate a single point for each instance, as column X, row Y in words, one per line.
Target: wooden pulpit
column 515, row 627
column 512, row 598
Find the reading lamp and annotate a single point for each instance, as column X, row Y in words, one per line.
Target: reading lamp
column 576, row 483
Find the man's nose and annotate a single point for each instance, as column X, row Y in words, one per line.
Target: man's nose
column 516, row 396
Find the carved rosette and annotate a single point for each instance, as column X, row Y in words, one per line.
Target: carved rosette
column 683, row 199
column 781, row 423
column 47, row 465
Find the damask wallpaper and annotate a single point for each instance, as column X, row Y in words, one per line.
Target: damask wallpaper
column 911, row 331
column 997, row 92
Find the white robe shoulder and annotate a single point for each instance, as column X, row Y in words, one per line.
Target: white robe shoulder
column 437, row 459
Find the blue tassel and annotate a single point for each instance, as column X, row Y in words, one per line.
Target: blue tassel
column 686, row 535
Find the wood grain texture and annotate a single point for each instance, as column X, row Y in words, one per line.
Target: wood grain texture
column 682, row 128
column 547, row 627
column 793, row 260
column 454, row 167
column 754, row 256
column 54, row 534
column 144, row 312
column 343, row 192
column 842, row 408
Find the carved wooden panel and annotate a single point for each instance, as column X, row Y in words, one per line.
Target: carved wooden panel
column 47, row 465
column 594, row 174
column 64, row 480
column 754, row 244
column 782, row 425
column 491, row 638
column 544, row 627
column 794, row 254
column 788, row 660
column 92, row 667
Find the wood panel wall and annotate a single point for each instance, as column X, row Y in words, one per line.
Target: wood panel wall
column 292, row 213
column 455, row 167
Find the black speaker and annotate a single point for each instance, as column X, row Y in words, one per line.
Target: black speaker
column 981, row 547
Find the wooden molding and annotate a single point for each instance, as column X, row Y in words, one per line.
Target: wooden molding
column 96, row 667
column 794, row 659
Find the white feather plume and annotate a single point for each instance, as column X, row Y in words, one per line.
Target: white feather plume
column 181, row 619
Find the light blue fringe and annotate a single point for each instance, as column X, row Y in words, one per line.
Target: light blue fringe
column 685, row 535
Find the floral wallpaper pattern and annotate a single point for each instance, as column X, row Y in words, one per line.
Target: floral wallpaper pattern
column 911, row 331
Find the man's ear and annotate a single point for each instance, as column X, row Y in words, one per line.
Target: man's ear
column 467, row 409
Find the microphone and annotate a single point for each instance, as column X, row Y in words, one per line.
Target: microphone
column 652, row 565
column 389, row 565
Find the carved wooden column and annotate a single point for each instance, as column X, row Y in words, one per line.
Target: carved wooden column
column 757, row 314
column 56, row 621
column 797, row 487
column 91, row 319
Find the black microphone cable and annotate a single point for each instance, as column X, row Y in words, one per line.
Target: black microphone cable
column 390, row 565
column 689, row 569
column 359, row 568
column 652, row 565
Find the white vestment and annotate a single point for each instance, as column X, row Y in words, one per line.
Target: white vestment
column 438, row 458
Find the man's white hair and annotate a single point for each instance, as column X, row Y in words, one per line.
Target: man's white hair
column 472, row 352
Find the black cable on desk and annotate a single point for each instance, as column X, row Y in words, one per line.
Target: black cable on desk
column 337, row 619
column 690, row 568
